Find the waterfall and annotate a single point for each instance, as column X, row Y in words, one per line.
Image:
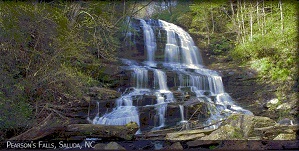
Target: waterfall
column 140, row 76
column 182, row 113
column 149, row 41
column 180, row 70
column 183, row 46
column 160, row 80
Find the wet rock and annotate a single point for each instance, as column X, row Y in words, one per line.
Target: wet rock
column 285, row 137
column 113, row 146
column 285, row 121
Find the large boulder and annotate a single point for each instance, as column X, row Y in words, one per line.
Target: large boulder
column 247, row 123
column 285, row 137
column 227, row 132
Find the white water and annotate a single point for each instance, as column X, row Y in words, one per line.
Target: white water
column 182, row 113
column 182, row 59
column 149, row 40
column 186, row 49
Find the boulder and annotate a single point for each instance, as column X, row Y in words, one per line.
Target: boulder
column 247, row 123
column 226, row 132
column 175, row 146
column 285, row 137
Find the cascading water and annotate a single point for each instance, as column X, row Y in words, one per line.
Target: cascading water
column 180, row 70
column 150, row 41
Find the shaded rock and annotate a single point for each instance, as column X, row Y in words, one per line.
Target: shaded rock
column 233, row 145
column 285, row 137
column 187, row 134
column 99, row 146
column 113, row 146
column 175, row 146
column 103, row 93
column 203, row 143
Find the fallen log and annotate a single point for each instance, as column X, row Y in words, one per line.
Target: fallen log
column 126, row 132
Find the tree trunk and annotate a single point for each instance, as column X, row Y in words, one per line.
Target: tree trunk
column 233, row 12
column 257, row 14
column 251, row 20
column 264, row 18
column 242, row 17
column 281, row 15
column 212, row 17
column 126, row 132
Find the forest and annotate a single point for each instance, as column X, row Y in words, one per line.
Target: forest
column 54, row 52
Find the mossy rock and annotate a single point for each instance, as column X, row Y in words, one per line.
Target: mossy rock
column 226, row 132
column 247, row 123
column 285, row 137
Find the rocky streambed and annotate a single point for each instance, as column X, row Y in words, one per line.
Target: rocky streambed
column 238, row 131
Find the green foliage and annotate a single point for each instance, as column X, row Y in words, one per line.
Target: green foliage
column 273, row 53
column 219, row 45
column 179, row 14
column 52, row 50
